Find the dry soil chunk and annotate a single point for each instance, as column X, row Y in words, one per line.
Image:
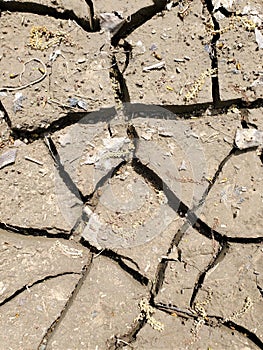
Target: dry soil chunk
column 239, row 55
column 25, row 318
column 236, row 279
column 180, row 334
column 195, row 253
column 100, row 310
column 26, row 260
column 77, row 77
column 235, row 201
column 175, row 45
column 28, row 196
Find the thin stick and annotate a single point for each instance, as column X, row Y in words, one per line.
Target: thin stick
column 32, row 82
column 34, row 160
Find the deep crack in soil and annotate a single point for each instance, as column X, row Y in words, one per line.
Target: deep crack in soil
column 119, row 77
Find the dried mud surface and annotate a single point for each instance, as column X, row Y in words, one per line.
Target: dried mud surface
column 129, row 217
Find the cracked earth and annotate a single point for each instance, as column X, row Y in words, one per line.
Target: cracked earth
column 131, row 174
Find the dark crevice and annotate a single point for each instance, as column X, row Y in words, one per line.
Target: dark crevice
column 41, row 280
column 35, row 232
column 213, row 55
column 94, row 24
column 215, row 77
column 118, row 82
column 151, row 177
column 109, row 130
column 260, row 289
column 143, row 280
column 221, row 107
column 208, row 232
column 261, row 155
column 119, row 342
column 44, row 10
column 244, row 331
column 173, row 112
column 137, row 19
column 55, row 324
column 6, row 116
column 127, row 48
column 210, row 321
column 215, row 177
column 92, row 199
column 159, row 278
column 119, row 259
column 218, row 171
column 170, row 308
column 133, row 110
column 162, row 266
column 64, row 175
column 225, row 12
column 221, row 253
column 245, row 240
column 71, row 118
column 76, row 231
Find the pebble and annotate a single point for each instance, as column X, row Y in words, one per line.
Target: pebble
column 178, row 60
column 81, row 60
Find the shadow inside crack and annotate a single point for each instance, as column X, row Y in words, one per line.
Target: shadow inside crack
column 27, row 286
column 133, row 111
column 137, row 19
column 55, row 324
column 90, row 24
column 221, row 253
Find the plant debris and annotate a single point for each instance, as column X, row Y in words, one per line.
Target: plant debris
column 42, row 38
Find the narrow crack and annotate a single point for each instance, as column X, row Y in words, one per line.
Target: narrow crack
column 64, row 175
column 242, row 330
column 119, row 259
column 233, row 152
column 118, row 84
column 137, row 19
column 36, row 232
column 170, row 309
column 208, row 232
column 210, row 321
column 122, row 93
column 71, row 118
column 120, row 341
column 127, row 50
column 162, row 266
column 33, row 133
column 217, row 173
column 5, row 115
column 94, row 24
column 213, row 55
column 41, row 280
column 221, row 253
column 56, row 323
column 44, row 10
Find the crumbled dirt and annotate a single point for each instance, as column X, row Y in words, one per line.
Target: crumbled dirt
column 129, row 218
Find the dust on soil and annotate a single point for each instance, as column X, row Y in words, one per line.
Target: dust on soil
column 129, row 219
